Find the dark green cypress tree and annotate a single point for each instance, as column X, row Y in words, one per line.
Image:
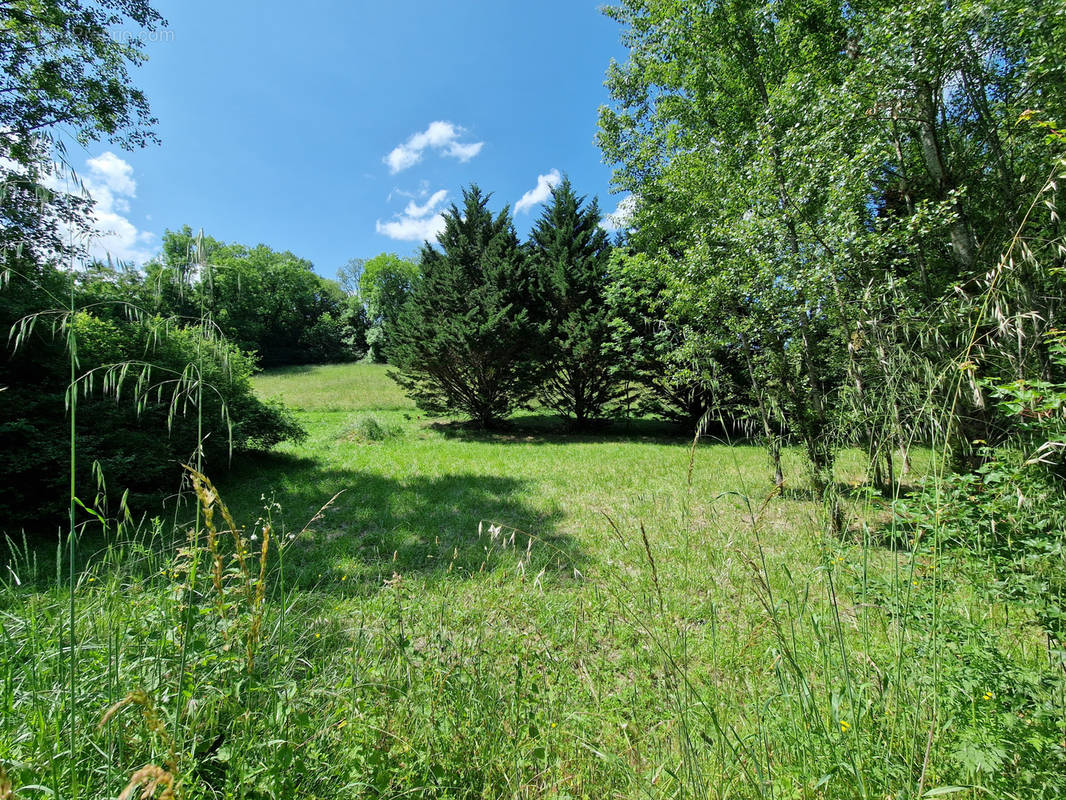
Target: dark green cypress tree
column 571, row 252
column 469, row 339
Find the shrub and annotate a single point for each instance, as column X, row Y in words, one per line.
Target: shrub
column 1007, row 517
column 368, row 429
column 148, row 398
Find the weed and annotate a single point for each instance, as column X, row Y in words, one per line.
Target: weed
column 367, row 428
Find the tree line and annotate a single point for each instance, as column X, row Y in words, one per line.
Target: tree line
column 160, row 357
column 564, row 321
column 849, row 213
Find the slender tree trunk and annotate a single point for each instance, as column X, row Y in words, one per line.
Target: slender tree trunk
column 889, row 466
column 963, row 241
column 908, row 198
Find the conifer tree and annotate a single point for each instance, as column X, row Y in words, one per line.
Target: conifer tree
column 571, row 252
column 468, row 340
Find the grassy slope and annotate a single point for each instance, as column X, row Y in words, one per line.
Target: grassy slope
column 404, row 653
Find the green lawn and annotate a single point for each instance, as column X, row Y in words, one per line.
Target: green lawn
column 516, row 614
column 416, row 493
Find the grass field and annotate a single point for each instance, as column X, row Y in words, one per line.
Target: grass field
column 416, row 490
column 521, row 614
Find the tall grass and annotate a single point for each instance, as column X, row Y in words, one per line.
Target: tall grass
column 187, row 387
column 705, row 658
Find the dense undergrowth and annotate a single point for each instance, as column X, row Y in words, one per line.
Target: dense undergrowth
column 147, row 392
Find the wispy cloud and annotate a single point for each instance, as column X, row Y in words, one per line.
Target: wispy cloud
column 622, row 216
column 440, row 136
column 464, row 152
column 539, row 193
column 419, row 211
column 422, row 191
column 417, row 223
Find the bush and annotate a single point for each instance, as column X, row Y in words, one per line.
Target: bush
column 1007, row 518
column 369, row 429
column 147, row 397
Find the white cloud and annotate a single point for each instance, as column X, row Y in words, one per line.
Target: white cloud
column 423, row 191
column 622, row 216
column 402, row 157
column 110, row 183
column 409, row 229
column 441, row 136
column 419, row 211
column 464, row 152
column 539, row 193
column 114, row 173
column 438, row 134
column 417, row 223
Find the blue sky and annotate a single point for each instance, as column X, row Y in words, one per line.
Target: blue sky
column 341, row 129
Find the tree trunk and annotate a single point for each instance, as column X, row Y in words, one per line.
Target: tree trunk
column 963, row 241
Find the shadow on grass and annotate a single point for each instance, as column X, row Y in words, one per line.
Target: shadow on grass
column 418, row 525
column 290, row 369
column 551, row 429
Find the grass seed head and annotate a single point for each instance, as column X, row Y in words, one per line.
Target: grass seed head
column 152, row 778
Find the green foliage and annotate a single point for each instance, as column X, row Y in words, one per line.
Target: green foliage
column 328, row 339
column 1005, row 522
column 267, row 302
column 1011, row 510
column 812, row 182
column 356, row 326
column 570, row 251
column 648, row 337
column 62, row 73
column 469, row 338
column 150, row 393
column 368, row 428
column 385, row 284
column 711, row 145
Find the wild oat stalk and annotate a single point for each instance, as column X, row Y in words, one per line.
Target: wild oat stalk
column 249, row 578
